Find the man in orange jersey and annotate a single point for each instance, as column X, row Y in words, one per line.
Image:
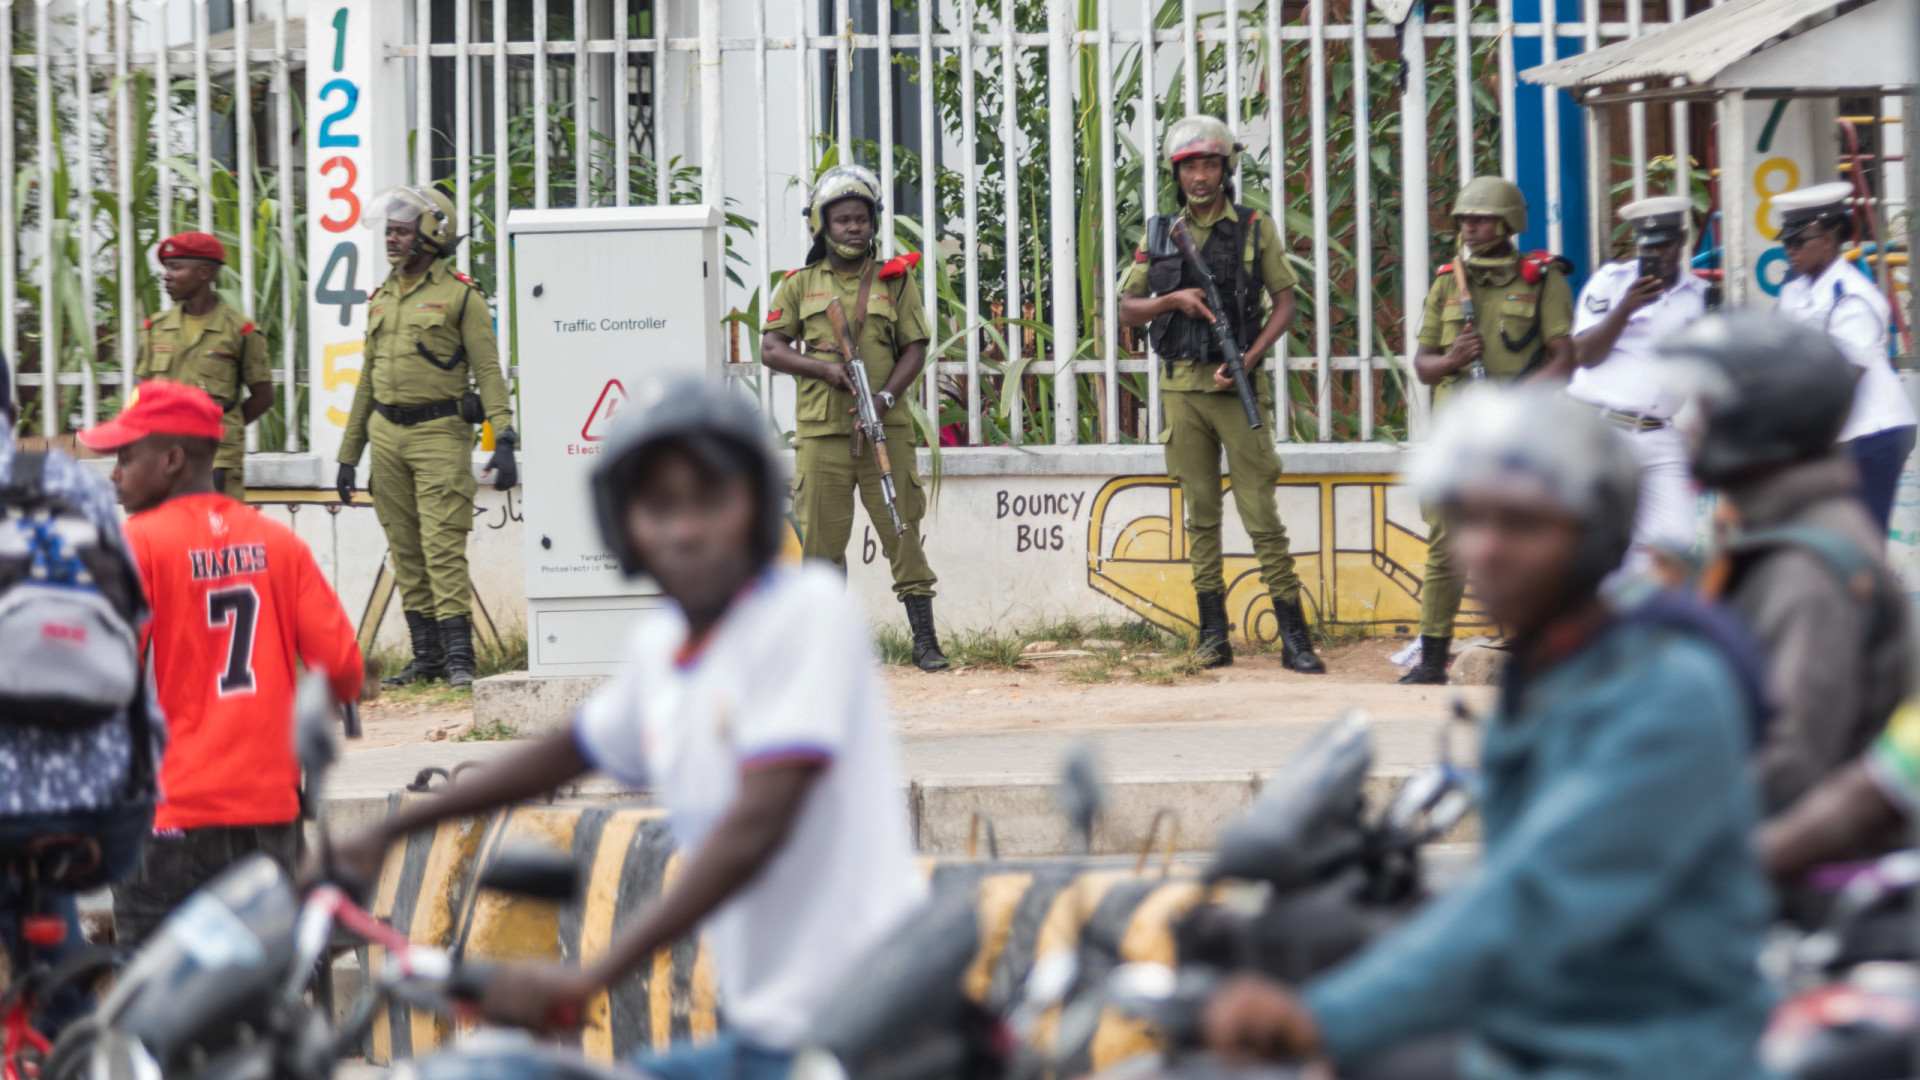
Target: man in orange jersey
column 237, row 599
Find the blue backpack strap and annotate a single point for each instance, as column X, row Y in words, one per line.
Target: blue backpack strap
column 1855, row 568
column 1725, row 633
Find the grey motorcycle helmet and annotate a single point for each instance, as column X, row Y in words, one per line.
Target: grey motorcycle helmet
column 1768, row 392
column 1535, row 444
column 705, row 418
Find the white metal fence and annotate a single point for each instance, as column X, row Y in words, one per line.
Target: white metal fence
column 117, row 103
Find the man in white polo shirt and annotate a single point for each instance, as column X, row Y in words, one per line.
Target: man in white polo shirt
column 1627, row 309
column 750, row 707
column 1831, row 295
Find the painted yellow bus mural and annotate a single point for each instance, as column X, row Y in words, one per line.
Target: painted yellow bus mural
column 1359, row 546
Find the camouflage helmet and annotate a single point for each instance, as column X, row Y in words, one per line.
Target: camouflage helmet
column 841, row 182
column 428, row 207
column 1494, row 196
column 1201, row 136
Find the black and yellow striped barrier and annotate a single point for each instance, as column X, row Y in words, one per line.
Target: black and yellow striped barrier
column 1026, row 910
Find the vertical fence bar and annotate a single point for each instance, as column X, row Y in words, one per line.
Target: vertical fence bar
column 1463, row 87
column 540, row 163
column 712, row 180
column 1233, row 65
column 1363, row 222
column 1010, row 190
column 502, row 179
column 1509, row 140
column 843, row 81
column 10, row 219
column 1550, row 126
column 970, row 210
column 1415, row 256
column 462, row 131
column 1109, row 230
column 582, row 114
column 1681, row 182
column 1190, row 44
column 82, row 220
column 1149, row 196
column 1277, row 194
column 283, row 214
column 883, row 63
column 662, row 180
column 203, row 105
column 423, row 91
column 804, row 100
column 763, row 282
column 1060, row 115
column 1636, row 112
column 162, row 113
column 929, row 216
column 50, row 407
column 1322, row 323
column 243, row 160
column 1599, row 152
column 121, row 12
column 622, row 124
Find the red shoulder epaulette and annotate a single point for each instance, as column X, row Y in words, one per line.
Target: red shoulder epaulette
column 465, row 278
column 1535, row 264
column 148, row 325
column 1446, row 268
column 247, row 328
column 899, row 265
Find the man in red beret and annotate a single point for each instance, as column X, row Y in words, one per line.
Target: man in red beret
column 237, row 600
column 202, row 342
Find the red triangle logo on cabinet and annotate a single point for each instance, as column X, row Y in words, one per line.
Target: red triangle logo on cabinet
column 613, row 397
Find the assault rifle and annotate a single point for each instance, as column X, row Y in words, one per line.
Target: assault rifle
column 1222, row 329
column 868, row 423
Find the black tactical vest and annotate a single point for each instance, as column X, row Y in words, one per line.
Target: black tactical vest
column 1177, row 337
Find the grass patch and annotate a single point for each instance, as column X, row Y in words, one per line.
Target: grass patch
column 894, row 644
column 498, row 731
column 509, row 654
column 1117, row 657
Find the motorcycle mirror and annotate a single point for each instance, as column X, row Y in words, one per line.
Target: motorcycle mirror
column 533, row 872
column 314, row 745
column 1050, row 978
column 1140, row 983
column 1081, row 793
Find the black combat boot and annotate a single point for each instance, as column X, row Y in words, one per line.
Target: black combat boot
column 1296, row 645
column 926, row 644
column 457, row 633
column 1213, row 645
column 429, row 661
column 1432, row 668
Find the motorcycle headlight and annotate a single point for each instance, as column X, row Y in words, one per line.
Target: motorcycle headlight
column 817, row 1064
column 118, row 1056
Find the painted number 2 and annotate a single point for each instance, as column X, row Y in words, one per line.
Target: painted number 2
column 352, row 95
column 236, row 610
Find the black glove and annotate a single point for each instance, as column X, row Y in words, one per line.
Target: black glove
column 343, row 483
column 506, row 473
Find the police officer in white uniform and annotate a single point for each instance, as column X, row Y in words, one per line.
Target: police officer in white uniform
column 1626, row 310
column 1831, row 295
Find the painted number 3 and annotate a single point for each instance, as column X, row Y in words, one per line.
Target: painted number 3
column 342, row 192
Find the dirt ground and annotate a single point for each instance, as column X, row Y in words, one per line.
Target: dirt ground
column 1046, row 694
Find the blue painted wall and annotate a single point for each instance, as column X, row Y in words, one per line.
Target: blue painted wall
column 1530, row 103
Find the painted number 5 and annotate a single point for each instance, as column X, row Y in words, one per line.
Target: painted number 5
column 343, row 192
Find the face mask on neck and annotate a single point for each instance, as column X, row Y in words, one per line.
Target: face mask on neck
column 848, row 251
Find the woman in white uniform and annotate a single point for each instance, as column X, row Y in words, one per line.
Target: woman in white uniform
column 1831, row 295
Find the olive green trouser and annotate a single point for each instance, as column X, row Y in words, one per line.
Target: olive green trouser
column 1441, row 583
column 231, row 480
column 231, row 458
column 825, row 477
column 1199, row 426
column 422, row 486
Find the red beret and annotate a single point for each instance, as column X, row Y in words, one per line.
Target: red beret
column 193, row 245
column 159, row 408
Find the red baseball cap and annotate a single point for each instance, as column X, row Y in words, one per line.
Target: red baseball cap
column 193, row 245
column 159, row 408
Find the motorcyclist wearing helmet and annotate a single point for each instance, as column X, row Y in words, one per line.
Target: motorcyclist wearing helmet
column 750, row 707
column 882, row 305
column 430, row 344
column 1614, row 927
column 1522, row 329
column 1248, row 261
column 1802, row 563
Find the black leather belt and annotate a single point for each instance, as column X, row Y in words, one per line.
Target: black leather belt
column 409, row 415
column 1633, row 421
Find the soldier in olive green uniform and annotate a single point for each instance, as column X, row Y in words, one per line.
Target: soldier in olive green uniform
column 1203, row 413
column 882, row 305
column 202, row 342
column 1522, row 328
column 429, row 344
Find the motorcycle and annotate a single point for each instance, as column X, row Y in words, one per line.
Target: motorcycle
column 222, row 990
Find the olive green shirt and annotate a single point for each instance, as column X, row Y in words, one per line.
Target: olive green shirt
column 442, row 313
column 228, row 355
column 894, row 321
column 1503, row 303
column 1275, row 274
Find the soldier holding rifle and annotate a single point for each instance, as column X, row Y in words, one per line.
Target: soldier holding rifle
column 880, row 306
column 1240, row 250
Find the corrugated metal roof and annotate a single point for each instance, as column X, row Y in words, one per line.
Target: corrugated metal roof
column 1697, row 48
